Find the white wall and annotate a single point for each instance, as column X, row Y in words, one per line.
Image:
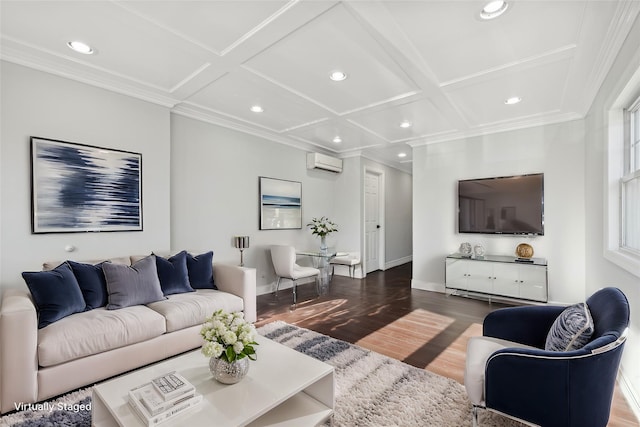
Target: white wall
column 599, row 271
column 40, row 104
column 215, row 196
column 200, row 181
column 215, row 193
column 347, row 197
column 556, row 150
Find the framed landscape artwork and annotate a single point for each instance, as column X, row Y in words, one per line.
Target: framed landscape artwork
column 82, row 188
column 280, row 204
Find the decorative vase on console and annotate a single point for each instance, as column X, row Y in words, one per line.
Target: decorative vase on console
column 524, row 251
column 229, row 343
column 478, row 251
column 466, row 250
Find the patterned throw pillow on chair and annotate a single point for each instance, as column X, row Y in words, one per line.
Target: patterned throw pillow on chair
column 572, row 330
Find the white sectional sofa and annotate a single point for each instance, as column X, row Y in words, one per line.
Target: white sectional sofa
column 89, row 346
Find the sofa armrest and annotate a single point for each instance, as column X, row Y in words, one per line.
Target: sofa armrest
column 18, row 349
column 240, row 281
column 527, row 325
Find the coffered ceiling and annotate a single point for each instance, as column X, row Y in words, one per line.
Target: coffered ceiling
column 434, row 64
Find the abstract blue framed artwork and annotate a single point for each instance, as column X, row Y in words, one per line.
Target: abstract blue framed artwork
column 81, row 188
column 280, row 204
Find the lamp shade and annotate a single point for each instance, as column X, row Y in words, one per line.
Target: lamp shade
column 241, row 242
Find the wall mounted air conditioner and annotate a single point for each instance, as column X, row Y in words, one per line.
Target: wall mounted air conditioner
column 324, row 162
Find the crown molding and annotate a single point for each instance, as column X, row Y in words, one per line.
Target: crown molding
column 202, row 115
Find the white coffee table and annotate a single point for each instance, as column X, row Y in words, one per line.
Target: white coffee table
column 283, row 388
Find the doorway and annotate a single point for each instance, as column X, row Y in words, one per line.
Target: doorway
column 373, row 220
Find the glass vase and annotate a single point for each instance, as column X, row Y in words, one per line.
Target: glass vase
column 323, row 245
column 228, row 372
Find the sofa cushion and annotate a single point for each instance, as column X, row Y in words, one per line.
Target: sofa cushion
column 137, row 284
column 56, row 293
column 96, row 331
column 571, row 330
column 92, row 283
column 190, row 309
column 200, row 268
column 172, row 273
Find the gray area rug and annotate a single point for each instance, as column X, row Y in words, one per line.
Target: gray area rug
column 372, row 390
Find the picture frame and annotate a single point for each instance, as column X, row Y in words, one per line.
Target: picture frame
column 280, row 204
column 83, row 188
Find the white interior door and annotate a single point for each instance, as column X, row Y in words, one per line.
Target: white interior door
column 372, row 221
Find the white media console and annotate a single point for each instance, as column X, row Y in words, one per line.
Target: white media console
column 495, row 275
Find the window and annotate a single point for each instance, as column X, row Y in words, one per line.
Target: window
column 622, row 177
column 630, row 182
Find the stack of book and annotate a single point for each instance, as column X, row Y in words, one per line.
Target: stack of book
column 163, row 398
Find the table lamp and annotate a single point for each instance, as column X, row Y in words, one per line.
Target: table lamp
column 242, row 243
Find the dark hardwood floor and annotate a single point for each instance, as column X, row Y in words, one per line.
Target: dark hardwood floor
column 382, row 313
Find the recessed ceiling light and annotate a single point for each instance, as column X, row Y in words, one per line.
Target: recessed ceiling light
column 80, row 47
column 405, row 124
column 257, row 109
column 513, row 100
column 338, row 76
column 493, row 9
column 402, row 154
column 337, row 140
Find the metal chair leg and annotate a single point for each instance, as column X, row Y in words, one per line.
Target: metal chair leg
column 295, row 285
column 278, row 285
column 474, row 416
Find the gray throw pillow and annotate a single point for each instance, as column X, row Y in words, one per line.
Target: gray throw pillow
column 137, row 284
column 571, row 330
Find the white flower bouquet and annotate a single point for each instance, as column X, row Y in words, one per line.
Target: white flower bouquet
column 322, row 226
column 228, row 336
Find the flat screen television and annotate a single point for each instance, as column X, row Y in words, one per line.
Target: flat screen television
column 502, row 205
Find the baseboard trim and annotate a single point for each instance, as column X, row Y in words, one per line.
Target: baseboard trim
column 264, row 289
column 397, row 262
column 284, row 284
column 427, row 286
column 629, row 393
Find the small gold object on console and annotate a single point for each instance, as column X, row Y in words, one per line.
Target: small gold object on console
column 524, row 250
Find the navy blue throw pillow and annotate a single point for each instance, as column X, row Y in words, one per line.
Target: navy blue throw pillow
column 56, row 293
column 200, row 268
column 92, row 283
column 173, row 275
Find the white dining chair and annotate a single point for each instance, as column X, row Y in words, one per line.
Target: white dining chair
column 284, row 263
column 349, row 259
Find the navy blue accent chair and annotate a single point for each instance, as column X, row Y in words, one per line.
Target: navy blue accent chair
column 549, row 388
